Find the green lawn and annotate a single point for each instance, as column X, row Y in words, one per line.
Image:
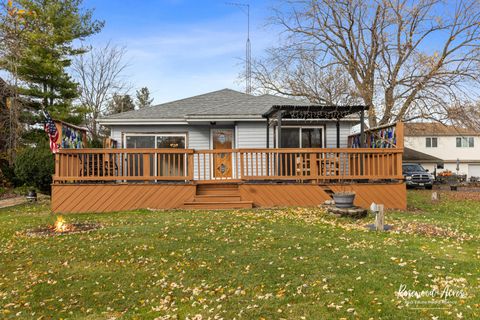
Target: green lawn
column 246, row 264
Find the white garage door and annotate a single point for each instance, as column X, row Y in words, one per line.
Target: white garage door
column 474, row 170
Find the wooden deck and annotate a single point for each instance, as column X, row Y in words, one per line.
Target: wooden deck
column 99, row 180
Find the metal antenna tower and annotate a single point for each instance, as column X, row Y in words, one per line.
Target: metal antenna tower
column 245, row 7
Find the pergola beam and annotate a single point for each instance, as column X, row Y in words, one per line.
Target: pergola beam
column 313, row 111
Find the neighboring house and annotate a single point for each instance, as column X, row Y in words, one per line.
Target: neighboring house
column 227, row 149
column 448, row 143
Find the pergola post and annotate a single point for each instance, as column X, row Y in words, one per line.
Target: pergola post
column 362, row 128
column 338, row 133
column 268, row 146
column 279, row 128
column 362, row 136
column 268, row 133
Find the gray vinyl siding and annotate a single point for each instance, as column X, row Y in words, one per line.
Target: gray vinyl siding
column 331, row 134
column 253, row 135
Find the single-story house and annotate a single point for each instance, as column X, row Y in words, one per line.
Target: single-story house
column 227, row 149
column 201, row 122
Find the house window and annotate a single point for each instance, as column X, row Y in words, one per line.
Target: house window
column 290, row 137
column 160, row 164
column 311, row 138
column 174, row 141
column 465, row 142
column 431, row 142
column 298, row 137
column 135, row 142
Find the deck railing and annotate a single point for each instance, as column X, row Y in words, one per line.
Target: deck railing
column 122, row 165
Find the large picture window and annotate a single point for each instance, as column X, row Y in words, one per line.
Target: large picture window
column 161, row 164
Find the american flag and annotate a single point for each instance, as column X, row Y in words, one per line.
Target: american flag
column 52, row 132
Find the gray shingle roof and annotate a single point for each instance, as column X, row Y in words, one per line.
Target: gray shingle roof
column 226, row 103
column 418, row 129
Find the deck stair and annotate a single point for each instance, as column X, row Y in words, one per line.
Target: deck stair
column 217, row 196
column 328, row 190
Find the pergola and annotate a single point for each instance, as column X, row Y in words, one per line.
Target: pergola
column 313, row 112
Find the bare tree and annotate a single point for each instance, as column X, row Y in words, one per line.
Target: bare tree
column 100, row 74
column 301, row 77
column 466, row 114
column 404, row 58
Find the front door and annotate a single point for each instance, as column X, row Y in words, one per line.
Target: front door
column 222, row 162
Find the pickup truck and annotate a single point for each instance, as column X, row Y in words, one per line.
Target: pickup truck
column 416, row 176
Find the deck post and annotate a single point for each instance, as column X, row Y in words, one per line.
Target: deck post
column 400, row 144
column 191, row 167
column 145, row 165
column 57, row 167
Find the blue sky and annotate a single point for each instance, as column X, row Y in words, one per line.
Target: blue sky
column 179, row 48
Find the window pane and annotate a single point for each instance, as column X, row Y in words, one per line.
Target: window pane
column 434, row 142
column 459, row 142
column 170, row 164
column 290, row 138
column 470, row 142
column 311, row 138
column 134, row 160
column 428, row 142
column 140, row 142
column 176, row 142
